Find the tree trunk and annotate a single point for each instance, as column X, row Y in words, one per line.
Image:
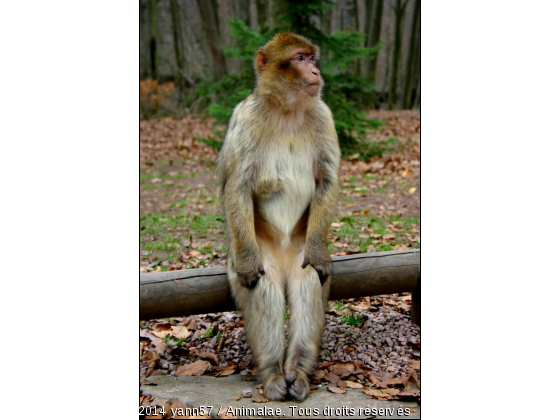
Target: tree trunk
column 412, row 52
column 241, row 10
column 153, row 49
column 262, row 12
column 177, row 30
column 206, row 290
column 326, row 20
column 374, row 38
column 209, row 13
column 399, row 21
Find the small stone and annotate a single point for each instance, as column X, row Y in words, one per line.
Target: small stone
column 247, row 394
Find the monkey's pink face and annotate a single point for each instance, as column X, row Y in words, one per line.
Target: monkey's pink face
column 305, row 64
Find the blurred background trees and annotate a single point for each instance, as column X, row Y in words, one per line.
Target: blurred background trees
column 196, row 55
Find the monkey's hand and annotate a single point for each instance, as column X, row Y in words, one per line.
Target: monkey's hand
column 248, row 269
column 320, row 260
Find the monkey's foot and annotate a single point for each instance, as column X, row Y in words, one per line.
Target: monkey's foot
column 275, row 387
column 298, row 384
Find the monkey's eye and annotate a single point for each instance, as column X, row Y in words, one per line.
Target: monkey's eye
column 312, row 57
column 299, row 57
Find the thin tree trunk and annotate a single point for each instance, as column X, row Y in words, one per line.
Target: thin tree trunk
column 262, row 12
column 399, row 21
column 358, row 70
column 412, row 52
column 415, row 100
column 326, row 22
column 241, row 9
column 209, row 14
column 153, row 49
column 374, row 38
column 272, row 9
column 178, row 47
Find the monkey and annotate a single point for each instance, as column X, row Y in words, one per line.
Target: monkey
column 278, row 169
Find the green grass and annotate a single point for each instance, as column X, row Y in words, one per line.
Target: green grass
column 347, row 202
column 149, row 187
column 352, row 319
column 383, row 189
column 354, row 226
column 180, row 203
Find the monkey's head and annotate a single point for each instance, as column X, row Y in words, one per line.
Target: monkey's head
column 288, row 63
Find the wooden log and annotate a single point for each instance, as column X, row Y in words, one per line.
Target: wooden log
column 206, row 290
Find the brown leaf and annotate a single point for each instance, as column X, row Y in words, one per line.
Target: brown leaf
column 332, row 378
column 342, row 372
column 320, row 374
column 355, row 385
column 204, row 354
column 416, row 365
column 336, row 390
column 161, row 330
column 260, row 400
column 227, row 371
column 193, row 369
column 373, row 379
column 238, row 397
column 191, row 325
column 341, row 384
column 390, row 391
column 376, row 393
column 180, row 332
column 150, row 356
column 351, row 366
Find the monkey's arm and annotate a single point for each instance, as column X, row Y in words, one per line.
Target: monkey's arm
column 234, row 170
column 238, row 202
column 321, row 211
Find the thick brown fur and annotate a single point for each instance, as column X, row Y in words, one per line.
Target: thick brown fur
column 278, row 169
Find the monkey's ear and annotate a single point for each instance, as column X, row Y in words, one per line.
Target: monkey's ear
column 260, row 61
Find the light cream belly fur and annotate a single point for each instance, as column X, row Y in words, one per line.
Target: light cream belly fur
column 295, row 189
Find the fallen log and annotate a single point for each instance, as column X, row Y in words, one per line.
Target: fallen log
column 206, row 290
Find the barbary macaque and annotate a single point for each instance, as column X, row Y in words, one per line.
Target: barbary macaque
column 278, row 170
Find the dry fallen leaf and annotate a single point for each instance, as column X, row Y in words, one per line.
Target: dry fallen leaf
column 336, row 390
column 341, row 372
column 260, row 400
column 376, row 393
column 193, row 369
column 161, row 330
column 227, row 371
column 355, row 385
column 390, row 391
column 332, row 378
column 180, row 332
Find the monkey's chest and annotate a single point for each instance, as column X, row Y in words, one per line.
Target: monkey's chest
column 286, row 186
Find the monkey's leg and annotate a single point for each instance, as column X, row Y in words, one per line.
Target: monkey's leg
column 306, row 299
column 264, row 309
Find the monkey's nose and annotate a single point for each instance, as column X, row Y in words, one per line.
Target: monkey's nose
column 315, row 72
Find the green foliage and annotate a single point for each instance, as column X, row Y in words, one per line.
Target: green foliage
column 210, row 142
column 352, row 319
column 343, row 91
